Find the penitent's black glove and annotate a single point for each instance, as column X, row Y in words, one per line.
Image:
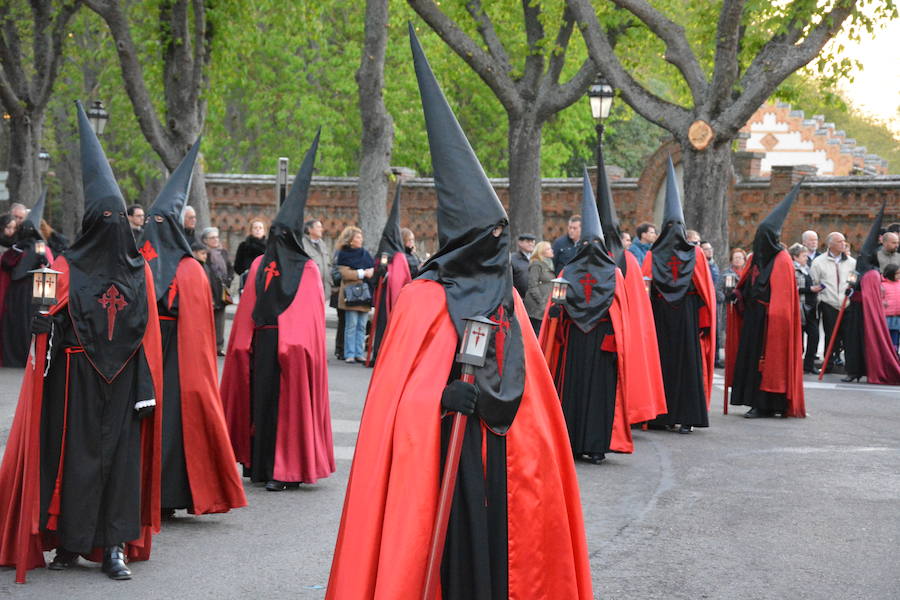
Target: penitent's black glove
column 41, row 324
column 555, row 311
column 460, row 397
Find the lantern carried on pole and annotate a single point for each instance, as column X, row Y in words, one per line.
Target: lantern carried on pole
column 558, row 293
column 43, row 293
column 472, row 353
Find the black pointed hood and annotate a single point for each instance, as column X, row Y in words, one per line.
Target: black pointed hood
column 279, row 273
column 26, row 237
column 391, row 240
column 163, row 242
column 673, row 256
column 767, row 241
column 868, row 255
column 107, row 284
column 592, row 272
column 612, row 232
column 472, row 264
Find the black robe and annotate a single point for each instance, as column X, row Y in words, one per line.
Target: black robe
column 265, row 382
column 176, row 489
column 101, row 484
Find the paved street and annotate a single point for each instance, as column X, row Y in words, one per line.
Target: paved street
column 765, row 509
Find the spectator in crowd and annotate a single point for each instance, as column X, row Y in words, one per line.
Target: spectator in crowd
column 692, row 236
column 334, row 302
column 564, row 246
column 356, row 266
column 201, row 254
column 136, row 219
column 314, row 246
column 189, row 222
column 891, row 285
column 519, row 261
column 7, row 232
column 18, row 212
column 540, row 274
column 57, row 241
column 409, row 244
column 810, row 240
column 253, row 245
column 224, row 273
column 708, row 252
column 808, row 302
column 626, row 240
column 887, row 254
column 736, row 261
column 646, row 235
column 831, row 270
column 894, row 228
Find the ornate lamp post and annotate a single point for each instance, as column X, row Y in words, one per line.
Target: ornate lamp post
column 98, row 117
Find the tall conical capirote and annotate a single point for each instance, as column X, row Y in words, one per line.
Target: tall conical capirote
column 612, row 233
column 31, row 226
column 472, row 263
column 592, row 272
column 163, row 242
column 107, row 283
column 673, row 256
column 391, row 240
column 281, row 268
column 868, row 255
column 767, row 241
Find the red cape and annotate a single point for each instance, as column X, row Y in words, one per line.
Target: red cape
column 783, row 354
column 21, row 541
column 882, row 364
column 389, row 285
column 391, row 500
column 303, row 449
column 706, row 317
column 214, row 481
column 635, row 402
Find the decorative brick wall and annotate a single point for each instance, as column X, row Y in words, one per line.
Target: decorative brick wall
column 846, row 204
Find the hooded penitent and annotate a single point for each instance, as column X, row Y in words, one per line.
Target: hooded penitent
column 278, row 276
column 29, row 233
column 609, row 220
column 591, row 273
column 163, row 243
column 472, row 263
column 391, row 240
column 107, row 293
column 868, row 254
column 767, row 242
column 673, row 255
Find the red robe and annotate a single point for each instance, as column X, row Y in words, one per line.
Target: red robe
column 303, row 449
column 783, row 365
column 635, row 400
column 21, row 541
column 214, row 481
column 389, row 286
column 703, row 283
column 391, row 500
column 882, row 364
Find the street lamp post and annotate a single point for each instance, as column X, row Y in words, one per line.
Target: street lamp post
column 43, row 162
column 601, row 95
column 98, row 117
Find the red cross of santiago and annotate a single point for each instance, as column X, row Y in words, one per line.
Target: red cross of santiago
column 271, row 271
column 674, row 263
column 588, row 282
column 113, row 301
column 148, row 251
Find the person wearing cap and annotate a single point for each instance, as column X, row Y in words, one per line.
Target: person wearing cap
column 30, row 251
column 519, row 260
column 82, row 462
column 764, row 340
column 515, row 526
column 275, row 379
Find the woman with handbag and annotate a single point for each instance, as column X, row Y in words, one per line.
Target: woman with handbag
column 355, row 295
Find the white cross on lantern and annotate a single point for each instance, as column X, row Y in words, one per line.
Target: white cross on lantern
column 43, row 293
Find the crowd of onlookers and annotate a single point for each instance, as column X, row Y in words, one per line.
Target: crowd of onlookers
column 821, row 274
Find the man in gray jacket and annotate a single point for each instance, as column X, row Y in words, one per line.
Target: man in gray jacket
column 831, row 269
column 315, row 247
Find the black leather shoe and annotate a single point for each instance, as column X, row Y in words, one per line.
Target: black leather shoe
column 62, row 560
column 595, row 459
column 850, row 378
column 276, row 486
column 114, row 563
column 685, row 429
column 753, row 414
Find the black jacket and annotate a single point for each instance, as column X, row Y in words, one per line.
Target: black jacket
column 248, row 250
column 520, row 272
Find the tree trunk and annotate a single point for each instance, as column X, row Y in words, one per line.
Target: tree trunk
column 377, row 126
column 525, row 213
column 707, row 178
column 24, row 179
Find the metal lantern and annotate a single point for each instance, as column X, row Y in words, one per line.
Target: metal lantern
column 43, row 161
column 852, row 278
column 601, row 95
column 730, row 282
column 281, row 180
column 40, row 247
column 558, row 293
column 98, row 117
column 383, row 260
column 647, row 284
column 43, row 293
column 475, row 341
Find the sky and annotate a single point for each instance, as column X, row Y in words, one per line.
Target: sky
column 876, row 89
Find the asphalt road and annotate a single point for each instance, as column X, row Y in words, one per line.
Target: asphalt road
column 764, row 509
